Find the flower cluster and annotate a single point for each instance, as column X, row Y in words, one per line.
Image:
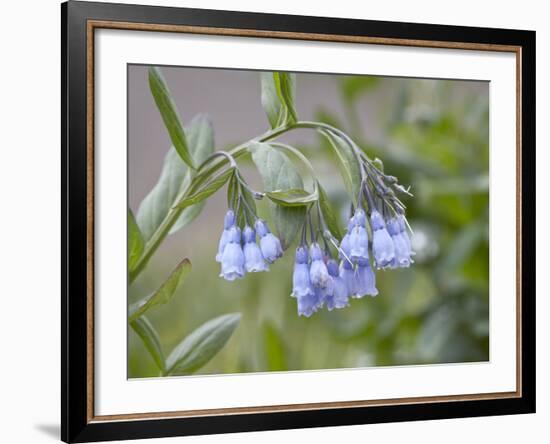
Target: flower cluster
column 328, row 272
column 318, row 280
column 239, row 253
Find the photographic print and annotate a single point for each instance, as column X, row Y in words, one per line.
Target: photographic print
column 289, row 221
column 276, row 222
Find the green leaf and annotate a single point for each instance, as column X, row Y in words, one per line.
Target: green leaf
column 295, row 197
column 279, row 174
column 202, row 345
column 174, row 179
column 328, row 215
column 145, row 330
column 164, row 293
column 349, row 167
column 278, row 95
column 200, row 138
column 170, row 115
column 207, row 189
column 135, row 241
column 275, row 349
column 187, row 216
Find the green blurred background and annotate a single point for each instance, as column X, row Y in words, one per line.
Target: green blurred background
column 432, row 134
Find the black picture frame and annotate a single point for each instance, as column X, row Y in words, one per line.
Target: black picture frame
column 76, row 423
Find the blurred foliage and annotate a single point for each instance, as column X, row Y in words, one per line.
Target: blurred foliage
column 432, row 135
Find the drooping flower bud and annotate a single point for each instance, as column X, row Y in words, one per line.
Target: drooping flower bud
column 405, row 236
column 365, row 281
column 253, row 258
column 359, row 244
column 402, row 257
column 382, row 244
column 338, row 297
column 229, row 221
column 301, row 284
column 347, row 273
column 345, row 245
column 318, row 270
column 307, row 305
column 270, row 245
column 359, row 218
column 233, row 257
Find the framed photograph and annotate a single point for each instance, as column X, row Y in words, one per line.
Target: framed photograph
column 276, row 221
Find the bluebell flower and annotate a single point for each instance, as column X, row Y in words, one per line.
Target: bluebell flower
column 405, row 236
column 337, row 296
column 233, row 256
column 301, row 284
column 382, row 244
column 359, row 244
column 345, row 245
column 270, row 245
column 359, row 218
column 365, row 281
column 347, row 273
column 321, row 295
column 307, row 305
column 318, row 272
column 229, row 221
column 253, row 259
column 402, row 257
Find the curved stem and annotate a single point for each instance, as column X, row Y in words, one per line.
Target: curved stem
column 257, row 194
column 218, row 154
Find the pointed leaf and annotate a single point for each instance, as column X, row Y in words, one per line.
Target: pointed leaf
column 295, row 197
column 286, row 90
column 170, row 115
column 279, row 174
column 207, row 189
column 174, row 179
column 349, row 167
column 202, row 345
column 200, row 138
column 164, row 293
column 278, row 93
column 328, row 214
column 145, row 330
column 135, row 241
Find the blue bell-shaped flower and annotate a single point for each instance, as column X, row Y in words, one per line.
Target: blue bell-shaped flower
column 338, row 295
column 253, row 259
column 233, row 256
column 347, row 273
column 382, row 244
column 402, row 257
column 365, row 281
column 318, row 272
column 229, row 221
column 270, row 245
column 301, row 284
column 307, row 305
column 405, row 236
column 359, row 244
column 345, row 245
